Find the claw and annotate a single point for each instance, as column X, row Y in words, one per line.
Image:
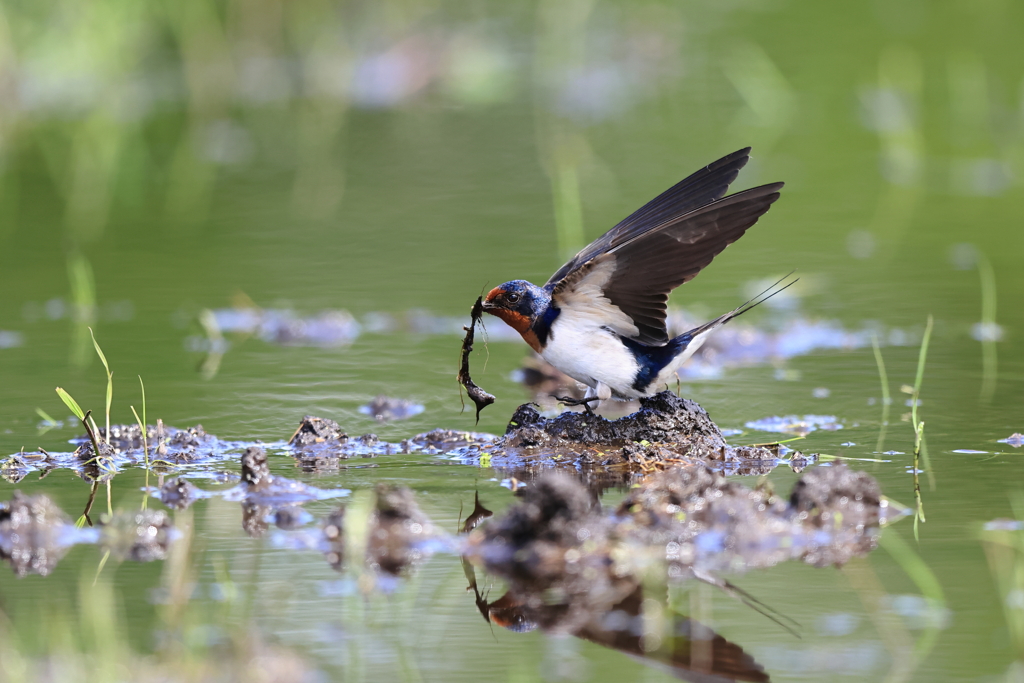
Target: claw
column 585, row 402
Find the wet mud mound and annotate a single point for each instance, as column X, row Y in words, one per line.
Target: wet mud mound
column 320, row 444
column 666, row 431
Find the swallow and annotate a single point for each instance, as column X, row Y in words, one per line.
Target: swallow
column 601, row 317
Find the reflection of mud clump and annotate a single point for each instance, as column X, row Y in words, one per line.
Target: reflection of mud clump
column 693, row 517
column 386, row 408
column 833, row 515
column 142, row 535
column 334, row 538
column 314, row 430
column 533, row 540
column 397, row 529
column 30, row 530
column 178, row 493
column 840, row 500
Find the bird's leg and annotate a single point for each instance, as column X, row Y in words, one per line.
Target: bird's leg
column 585, row 402
column 600, row 393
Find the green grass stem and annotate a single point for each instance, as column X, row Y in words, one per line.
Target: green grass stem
column 110, row 380
column 883, row 378
column 919, row 448
column 923, row 577
column 989, row 354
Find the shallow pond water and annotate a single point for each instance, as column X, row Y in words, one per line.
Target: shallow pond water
column 269, row 213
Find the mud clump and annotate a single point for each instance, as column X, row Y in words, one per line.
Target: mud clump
column 255, row 472
column 665, row 430
column 30, row 532
column 397, row 530
column 86, row 451
column 662, row 418
column 316, row 430
column 320, row 444
column 445, row 440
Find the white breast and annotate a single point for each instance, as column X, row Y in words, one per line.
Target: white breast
column 582, row 348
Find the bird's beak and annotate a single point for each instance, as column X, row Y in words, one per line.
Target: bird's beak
column 488, row 303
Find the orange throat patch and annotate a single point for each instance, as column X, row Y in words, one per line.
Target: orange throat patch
column 521, row 324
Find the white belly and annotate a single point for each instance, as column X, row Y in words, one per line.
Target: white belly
column 591, row 354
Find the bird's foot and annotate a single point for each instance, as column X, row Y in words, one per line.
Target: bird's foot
column 585, row 402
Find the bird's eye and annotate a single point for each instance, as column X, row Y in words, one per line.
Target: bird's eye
column 513, row 298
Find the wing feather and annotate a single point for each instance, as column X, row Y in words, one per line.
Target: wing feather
column 701, row 188
column 649, row 264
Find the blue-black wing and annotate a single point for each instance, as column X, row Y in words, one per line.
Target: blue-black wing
column 703, row 187
column 664, row 244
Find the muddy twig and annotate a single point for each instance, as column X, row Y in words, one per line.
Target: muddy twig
column 479, row 397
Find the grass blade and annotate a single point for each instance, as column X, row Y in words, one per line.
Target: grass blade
column 110, row 380
column 883, row 377
column 71, row 403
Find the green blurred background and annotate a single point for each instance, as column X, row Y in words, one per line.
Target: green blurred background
column 392, row 159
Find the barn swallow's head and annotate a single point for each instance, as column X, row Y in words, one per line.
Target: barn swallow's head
column 520, row 304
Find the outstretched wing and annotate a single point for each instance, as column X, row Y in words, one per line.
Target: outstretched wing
column 635, row 275
column 701, row 188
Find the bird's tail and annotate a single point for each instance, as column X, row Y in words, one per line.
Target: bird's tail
column 743, row 308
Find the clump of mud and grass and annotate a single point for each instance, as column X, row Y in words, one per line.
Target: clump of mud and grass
column 666, row 431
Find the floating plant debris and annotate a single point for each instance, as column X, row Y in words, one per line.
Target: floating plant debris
column 479, row 397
